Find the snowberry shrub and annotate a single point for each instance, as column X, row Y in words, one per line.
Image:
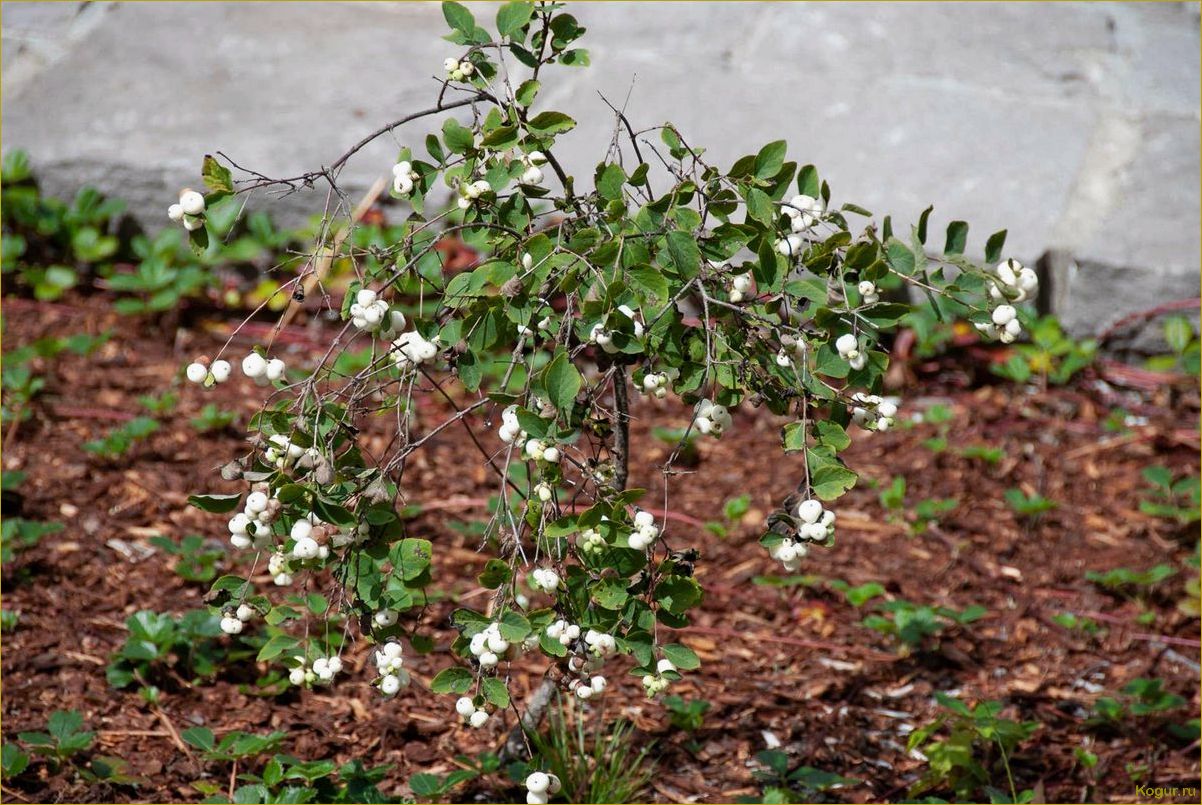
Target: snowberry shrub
column 714, row 292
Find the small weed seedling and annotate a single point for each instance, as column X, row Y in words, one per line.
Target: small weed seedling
column 12, row 761
column 64, row 737
column 1135, row 585
column 1028, row 506
column 803, row 784
column 213, row 419
column 1079, row 624
column 1177, row 499
column 162, row 405
column 1184, row 351
column 978, row 744
column 732, row 511
column 196, row 561
column 158, row 642
column 436, row 787
column 119, row 440
column 18, row 534
column 1052, row 356
column 983, row 452
column 916, row 625
column 686, row 715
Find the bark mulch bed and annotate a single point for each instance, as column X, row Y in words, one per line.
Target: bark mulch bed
column 788, row 666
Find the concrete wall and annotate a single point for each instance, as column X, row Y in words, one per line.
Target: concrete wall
column 1075, row 126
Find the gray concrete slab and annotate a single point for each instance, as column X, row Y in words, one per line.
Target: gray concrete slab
column 1074, row 125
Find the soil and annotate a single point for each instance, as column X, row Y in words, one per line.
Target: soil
column 783, row 666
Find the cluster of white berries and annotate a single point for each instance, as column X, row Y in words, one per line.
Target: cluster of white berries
column 403, row 177
column 873, row 412
column 543, row 490
column 201, row 371
column 458, row 70
column 789, row 554
column 563, row 631
column 233, row 619
column 600, row 644
column 310, row 536
column 645, row 533
column 282, row 452
column 590, row 540
column 389, row 664
column 656, row 383
column 278, row 568
column 789, row 342
column 817, row 525
column 603, row 338
column 533, row 173
column 510, row 431
column 537, row 450
column 385, row 618
column 740, row 285
column 251, row 526
column 803, row 212
column 711, row 419
column 848, row 347
column 544, row 579
column 189, row 210
column 488, row 646
column 470, row 191
column 412, row 349
column 471, row 714
column 1015, row 283
column 370, row 313
column 321, row 672
column 540, row 786
column 261, row 370
column 868, row 291
column 587, row 687
column 351, row 535
column 656, row 683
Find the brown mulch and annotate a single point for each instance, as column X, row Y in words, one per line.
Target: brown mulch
column 789, row 666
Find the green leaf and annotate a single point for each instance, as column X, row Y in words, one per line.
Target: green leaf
column 1178, row 332
column 562, row 381
column 200, row 737
column 217, row 177
column 900, row 257
column 770, row 159
column 760, row 207
column 957, row 237
column 215, row 504
column 994, row 246
column 495, row 574
column 650, row 282
column 551, row 123
column 858, row 596
column 277, row 646
column 808, row 183
column 684, row 254
column 495, row 692
column 527, row 91
column 610, row 179
column 832, row 435
column 458, row 138
column 512, row 16
column 458, row 17
column 682, row 657
column 198, row 239
column 921, row 231
column 452, row 680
